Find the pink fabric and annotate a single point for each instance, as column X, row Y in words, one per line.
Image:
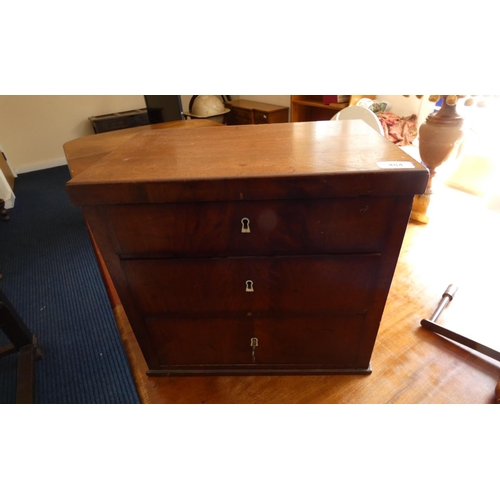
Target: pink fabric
column 400, row 131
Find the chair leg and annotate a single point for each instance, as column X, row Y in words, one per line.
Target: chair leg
column 3, row 211
column 25, row 344
column 5, row 216
column 26, row 373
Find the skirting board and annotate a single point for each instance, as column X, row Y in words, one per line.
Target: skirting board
column 40, row 166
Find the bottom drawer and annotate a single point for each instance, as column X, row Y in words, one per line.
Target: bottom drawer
column 294, row 340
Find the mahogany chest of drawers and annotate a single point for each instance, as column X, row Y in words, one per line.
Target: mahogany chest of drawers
column 263, row 249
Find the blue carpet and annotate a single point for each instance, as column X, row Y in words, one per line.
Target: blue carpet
column 52, row 279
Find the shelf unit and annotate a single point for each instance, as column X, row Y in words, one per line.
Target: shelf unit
column 308, row 108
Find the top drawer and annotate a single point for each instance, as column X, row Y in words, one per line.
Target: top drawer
column 241, row 116
column 279, row 116
column 251, row 228
column 260, row 117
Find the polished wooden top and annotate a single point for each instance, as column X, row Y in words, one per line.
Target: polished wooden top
column 324, row 159
column 85, row 151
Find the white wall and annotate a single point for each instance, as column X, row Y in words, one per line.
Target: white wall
column 33, row 128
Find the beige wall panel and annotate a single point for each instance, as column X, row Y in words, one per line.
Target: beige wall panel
column 33, row 128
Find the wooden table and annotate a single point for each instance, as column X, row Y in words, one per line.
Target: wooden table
column 410, row 364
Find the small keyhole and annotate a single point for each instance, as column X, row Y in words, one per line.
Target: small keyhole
column 249, row 286
column 245, row 225
column 254, row 342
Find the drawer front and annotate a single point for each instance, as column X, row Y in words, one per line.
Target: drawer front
column 320, row 340
column 260, row 117
column 199, row 341
column 278, row 116
column 333, row 340
column 251, row 228
column 343, row 283
column 241, row 116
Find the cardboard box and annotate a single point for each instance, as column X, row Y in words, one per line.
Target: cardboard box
column 337, row 99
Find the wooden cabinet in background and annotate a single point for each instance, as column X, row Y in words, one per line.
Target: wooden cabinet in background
column 244, row 112
column 120, row 120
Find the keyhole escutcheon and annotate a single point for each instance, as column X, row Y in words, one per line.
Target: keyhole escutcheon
column 249, row 286
column 245, row 225
column 254, row 342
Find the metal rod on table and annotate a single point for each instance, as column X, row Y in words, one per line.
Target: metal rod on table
column 448, row 295
column 430, row 324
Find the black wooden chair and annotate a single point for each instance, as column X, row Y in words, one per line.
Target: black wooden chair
column 25, row 344
column 5, row 216
column 22, row 341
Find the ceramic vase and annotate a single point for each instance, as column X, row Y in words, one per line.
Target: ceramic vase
column 441, row 139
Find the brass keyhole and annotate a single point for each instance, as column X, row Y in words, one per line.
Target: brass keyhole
column 249, row 286
column 254, row 342
column 245, row 225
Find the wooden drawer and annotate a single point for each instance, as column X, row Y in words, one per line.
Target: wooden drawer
column 310, row 339
column 280, row 116
column 244, row 112
column 260, row 117
column 246, row 285
column 240, row 116
column 299, row 227
column 314, row 340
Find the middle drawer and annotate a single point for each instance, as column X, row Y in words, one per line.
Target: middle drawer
column 251, row 228
column 339, row 283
